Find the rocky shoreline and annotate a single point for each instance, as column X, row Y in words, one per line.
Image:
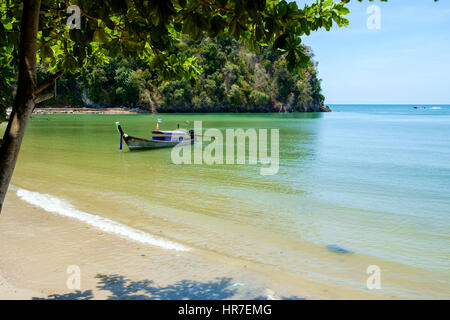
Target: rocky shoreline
column 70, row 110
column 83, row 110
column 115, row 110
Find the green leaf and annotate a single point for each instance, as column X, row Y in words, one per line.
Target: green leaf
column 46, row 52
column 100, row 36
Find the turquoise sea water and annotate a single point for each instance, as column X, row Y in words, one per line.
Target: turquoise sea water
column 385, row 171
column 374, row 180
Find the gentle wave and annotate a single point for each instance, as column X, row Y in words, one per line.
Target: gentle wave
column 55, row 205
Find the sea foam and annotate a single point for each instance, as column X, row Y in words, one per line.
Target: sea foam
column 56, row 205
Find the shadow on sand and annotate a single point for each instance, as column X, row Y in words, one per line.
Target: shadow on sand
column 121, row 288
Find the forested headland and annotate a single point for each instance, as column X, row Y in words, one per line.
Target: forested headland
column 232, row 79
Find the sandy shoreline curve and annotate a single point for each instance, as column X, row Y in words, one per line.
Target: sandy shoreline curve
column 37, row 248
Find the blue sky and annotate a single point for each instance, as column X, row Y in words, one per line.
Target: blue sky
column 407, row 61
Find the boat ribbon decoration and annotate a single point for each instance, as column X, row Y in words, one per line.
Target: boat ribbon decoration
column 158, row 121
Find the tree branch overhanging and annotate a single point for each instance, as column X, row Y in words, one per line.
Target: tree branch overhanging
column 209, row 4
column 47, row 83
column 43, row 97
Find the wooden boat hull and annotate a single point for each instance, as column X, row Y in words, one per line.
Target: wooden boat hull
column 135, row 143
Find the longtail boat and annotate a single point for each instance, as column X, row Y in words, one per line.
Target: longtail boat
column 159, row 139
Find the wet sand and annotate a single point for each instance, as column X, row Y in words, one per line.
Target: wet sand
column 37, row 247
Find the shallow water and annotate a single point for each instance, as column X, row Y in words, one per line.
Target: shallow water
column 373, row 181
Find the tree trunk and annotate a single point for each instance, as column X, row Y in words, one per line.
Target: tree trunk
column 24, row 100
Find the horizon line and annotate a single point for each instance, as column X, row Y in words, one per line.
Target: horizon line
column 390, row 104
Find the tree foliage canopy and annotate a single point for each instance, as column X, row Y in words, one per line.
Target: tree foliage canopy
column 151, row 29
column 233, row 79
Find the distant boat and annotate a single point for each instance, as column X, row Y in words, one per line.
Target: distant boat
column 419, row 107
column 160, row 138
